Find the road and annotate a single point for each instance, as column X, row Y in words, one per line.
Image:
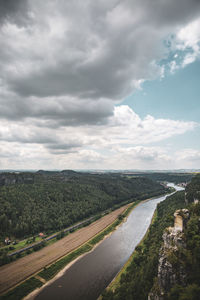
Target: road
column 52, row 236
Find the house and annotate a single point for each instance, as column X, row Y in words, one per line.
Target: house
column 41, row 234
column 7, row 241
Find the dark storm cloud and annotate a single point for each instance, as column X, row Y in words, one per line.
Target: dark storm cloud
column 173, row 12
column 15, row 11
column 49, row 139
column 102, row 49
column 65, row 148
column 52, row 112
column 75, row 59
column 29, row 138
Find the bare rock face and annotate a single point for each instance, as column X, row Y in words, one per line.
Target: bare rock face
column 170, row 271
column 181, row 218
column 167, row 272
column 13, row 178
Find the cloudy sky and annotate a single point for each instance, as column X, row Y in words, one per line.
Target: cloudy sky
column 99, row 84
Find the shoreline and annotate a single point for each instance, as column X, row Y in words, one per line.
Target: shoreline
column 35, row 292
column 113, row 284
column 115, row 281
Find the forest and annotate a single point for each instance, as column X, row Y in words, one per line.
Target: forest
column 193, row 189
column 50, row 201
column 174, row 177
column 136, row 282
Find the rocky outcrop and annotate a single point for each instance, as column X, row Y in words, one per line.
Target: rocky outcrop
column 170, row 271
column 181, row 217
column 15, row 178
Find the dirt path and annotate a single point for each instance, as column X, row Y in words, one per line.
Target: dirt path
column 19, row 270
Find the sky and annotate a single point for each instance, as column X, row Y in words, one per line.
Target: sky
column 100, row 84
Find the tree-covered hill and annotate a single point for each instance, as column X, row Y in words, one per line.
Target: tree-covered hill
column 50, row 201
column 165, row 176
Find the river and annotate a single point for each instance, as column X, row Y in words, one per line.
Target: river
column 89, row 276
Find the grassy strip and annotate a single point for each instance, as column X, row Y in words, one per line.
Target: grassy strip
column 20, row 245
column 53, row 269
column 105, row 232
column 129, row 209
column 22, row 290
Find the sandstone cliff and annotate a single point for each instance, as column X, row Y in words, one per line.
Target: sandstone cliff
column 15, row 178
column 170, row 270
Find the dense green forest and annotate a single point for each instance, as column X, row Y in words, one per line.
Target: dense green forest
column 188, row 260
column 140, row 275
column 193, row 189
column 170, row 177
column 49, row 201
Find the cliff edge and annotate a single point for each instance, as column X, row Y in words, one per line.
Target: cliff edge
column 170, row 271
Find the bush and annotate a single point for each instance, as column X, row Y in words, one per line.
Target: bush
column 22, row 290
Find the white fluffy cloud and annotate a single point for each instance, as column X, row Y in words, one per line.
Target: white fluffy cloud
column 117, row 143
column 124, row 127
column 186, row 42
column 188, row 38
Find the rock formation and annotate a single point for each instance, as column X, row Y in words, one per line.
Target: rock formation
column 15, row 178
column 169, row 272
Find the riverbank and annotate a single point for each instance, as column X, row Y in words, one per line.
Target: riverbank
column 135, row 278
column 116, row 280
column 109, row 222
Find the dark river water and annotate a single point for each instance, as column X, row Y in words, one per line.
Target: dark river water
column 89, row 276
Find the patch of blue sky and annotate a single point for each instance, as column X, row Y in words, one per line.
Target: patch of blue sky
column 176, row 96
column 188, row 140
